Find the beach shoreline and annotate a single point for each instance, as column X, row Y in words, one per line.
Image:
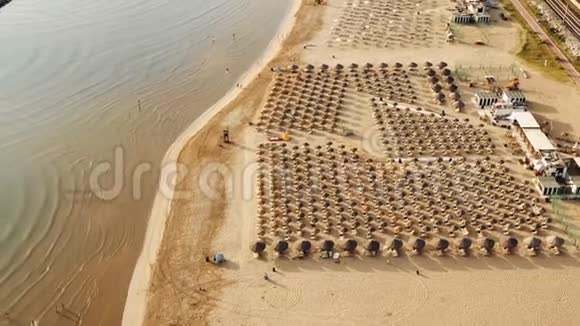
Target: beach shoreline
column 137, row 296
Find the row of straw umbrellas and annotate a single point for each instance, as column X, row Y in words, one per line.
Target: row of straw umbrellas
column 358, row 197
column 416, row 246
column 410, row 133
column 380, row 23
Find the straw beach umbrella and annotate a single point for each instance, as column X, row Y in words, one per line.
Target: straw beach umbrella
column 441, row 245
column 486, row 246
column 281, row 247
column 349, row 246
column 258, row 247
column 534, row 245
column 555, row 243
column 463, row 245
column 418, row 245
column 372, row 247
column 304, row 247
column 395, row 247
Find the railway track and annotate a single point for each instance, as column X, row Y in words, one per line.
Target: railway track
column 568, row 15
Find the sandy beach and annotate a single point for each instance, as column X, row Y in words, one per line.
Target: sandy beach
column 228, row 196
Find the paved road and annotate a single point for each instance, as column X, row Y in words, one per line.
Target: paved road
column 572, row 72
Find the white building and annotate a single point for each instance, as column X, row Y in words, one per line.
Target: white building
column 514, row 97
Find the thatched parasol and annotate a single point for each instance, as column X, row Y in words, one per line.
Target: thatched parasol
column 294, row 68
column 339, row 67
column 442, row 65
column 433, row 79
column 509, row 244
column 398, row 65
column 353, row 66
column 446, row 72
column 324, row 67
column 436, row 88
column 373, row 247
column 369, row 66
column 395, row 247
column 459, row 105
column 258, row 247
column 308, row 68
column 327, row 245
column 427, row 64
column 463, row 245
column 430, row 72
column 412, row 65
column 304, row 247
column 384, row 65
column 486, row 245
column 555, row 243
column 442, row 245
column 281, row 247
column 349, row 245
column 418, row 245
column 534, row 245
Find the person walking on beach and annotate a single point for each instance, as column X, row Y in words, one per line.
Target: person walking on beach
column 226, row 134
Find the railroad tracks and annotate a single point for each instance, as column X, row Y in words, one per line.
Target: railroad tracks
column 568, row 15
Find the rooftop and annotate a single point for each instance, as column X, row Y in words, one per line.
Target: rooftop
column 538, row 140
column 486, row 95
column 525, row 119
column 514, row 94
column 549, row 182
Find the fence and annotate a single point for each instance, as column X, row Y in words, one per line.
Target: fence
column 560, row 214
column 477, row 73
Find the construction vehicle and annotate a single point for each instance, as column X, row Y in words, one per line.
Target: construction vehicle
column 514, row 85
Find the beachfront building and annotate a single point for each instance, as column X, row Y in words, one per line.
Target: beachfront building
column 470, row 12
column 516, row 97
column 539, row 150
column 484, row 99
column 566, row 187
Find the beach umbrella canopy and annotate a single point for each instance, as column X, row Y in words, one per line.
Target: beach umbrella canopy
column 554, row 241
column 396, row 244
column 338, row 67
column 258, row 247
column 446, row 72
column 304, row 246
column 281, row 246
column 327, row 245
column 441, row 244
column 442, row 64
column 427, row 64
column 309, row 67
column 294, row 67
column 509, row 243
column 324, row 66
column 418, row 244
column 430, row 72
column 459, row 105
column 464, row 243
column 398, row 65
column 353, row 66
column 487, row 243
column 439, row 96
column 433, row 79
column 384, row 65
column 373, row 246
column 452, row 87
column 368, row 65
column 533, row 243
column 350, row 245
column 449, row 80
column 412, row 65
column 436, row 88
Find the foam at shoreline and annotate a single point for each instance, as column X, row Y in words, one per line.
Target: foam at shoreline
column 136, row 302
